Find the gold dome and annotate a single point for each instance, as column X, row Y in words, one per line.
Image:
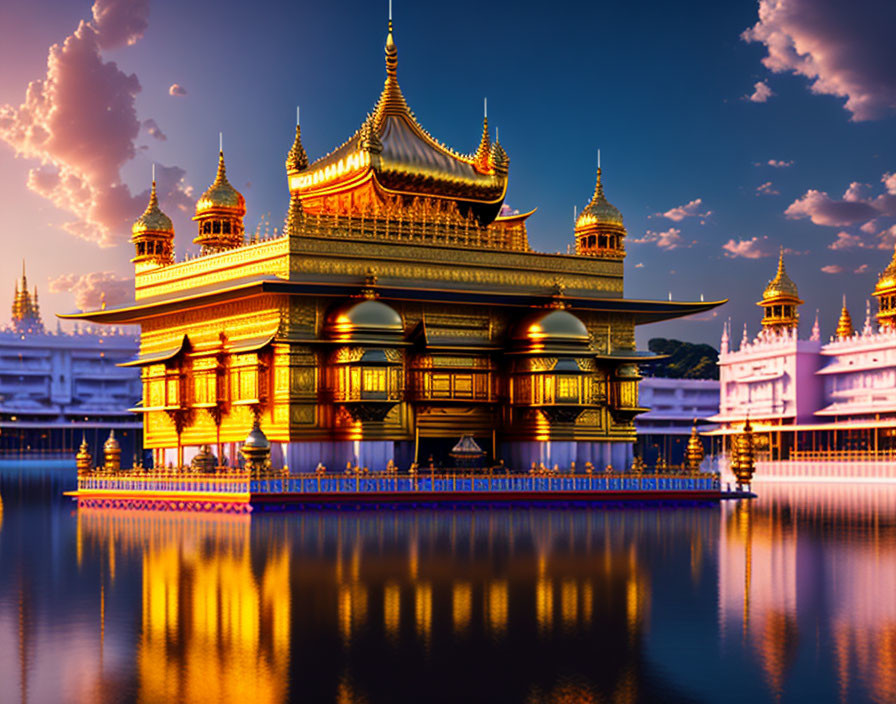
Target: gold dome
column 599, row 211
column 553, row 326
column 887, row 278
column 365, row 316
column 221, row 196
column 782, row 285
column 153, row 219
column 256, row 438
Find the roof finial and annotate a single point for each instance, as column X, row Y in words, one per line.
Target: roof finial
column 391, row 49
column 298, row 115
column 221, row 142
column 485, row 108
column 482, row 158
column 598, row 158
column 153, row 173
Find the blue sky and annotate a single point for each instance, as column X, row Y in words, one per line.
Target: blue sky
column 661, row 88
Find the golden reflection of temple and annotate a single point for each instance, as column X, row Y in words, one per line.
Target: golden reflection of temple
column 461, row 606
column 212, row 630
column 765, row 568
column 497, row 606
column 392, row 609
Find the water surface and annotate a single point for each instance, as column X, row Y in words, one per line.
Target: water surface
column 791, row 597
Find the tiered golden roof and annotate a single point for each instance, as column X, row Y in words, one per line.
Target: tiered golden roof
column 221, row 197
column 394, row 154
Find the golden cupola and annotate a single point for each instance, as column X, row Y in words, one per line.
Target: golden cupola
column 780, row 301
column 391, row 162
column 599, row 230
column 220, row 213
column 844, row 324
column 153, row 235
column 885, row 292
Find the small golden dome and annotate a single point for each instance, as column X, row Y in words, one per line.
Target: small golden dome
column 500, row 158
column 599, row 211
column 153, row 219
column 366, row 316
column 552, row 326
column 782, row 285
column 111, row 443
column 221, row 196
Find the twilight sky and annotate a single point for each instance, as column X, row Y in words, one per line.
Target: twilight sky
column 727, row 129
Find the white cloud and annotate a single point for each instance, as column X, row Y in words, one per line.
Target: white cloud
column 668, row 239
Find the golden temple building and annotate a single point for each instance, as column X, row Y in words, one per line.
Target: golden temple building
column 398, row 310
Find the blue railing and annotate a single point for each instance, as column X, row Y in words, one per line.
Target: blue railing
column 313, row 484
column 327, row 484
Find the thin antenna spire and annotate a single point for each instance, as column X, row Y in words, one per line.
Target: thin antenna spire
column 153, row 172
column 575, row 213
column 298, row 115
column 221, row 142
column 598, row 157
column 485, row 107
column 496, row 134
column 390, row 10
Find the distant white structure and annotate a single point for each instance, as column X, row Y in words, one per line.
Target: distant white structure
column 812, row 402
column 57, row 387
column 674, row 406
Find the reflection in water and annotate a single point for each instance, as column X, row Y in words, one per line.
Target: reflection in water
column 517, row 605
column 771, row 565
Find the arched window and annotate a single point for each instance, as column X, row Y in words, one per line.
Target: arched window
column 206, row 228
column 216, row 227
column 226, row 227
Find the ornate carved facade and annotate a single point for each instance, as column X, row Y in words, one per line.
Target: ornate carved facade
column 397, row 311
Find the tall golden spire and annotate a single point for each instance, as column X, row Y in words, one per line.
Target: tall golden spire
column 25, row 310
column 391, row 100
column 296, row 158
column 219, row 212
column 482, row 158
column 844, row 325
column 153, row 234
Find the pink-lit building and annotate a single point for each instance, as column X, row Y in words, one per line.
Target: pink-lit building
column 811, row 401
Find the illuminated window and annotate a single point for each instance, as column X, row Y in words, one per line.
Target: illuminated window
column 567, row 389
column 375, row 380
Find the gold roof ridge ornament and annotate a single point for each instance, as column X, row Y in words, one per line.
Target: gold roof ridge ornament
column 296, row 158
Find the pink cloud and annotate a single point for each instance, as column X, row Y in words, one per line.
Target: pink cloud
column 861, row 269
column 687, row 210
column 832, row 269
column 753, row 248
column 767, row 189
column 761, row 93
column 669, row 239
column 857, row 205
column 639, row 265
column 779, row 164
column 80, row 123
column 92, row 290
column 845, row 240
column 842, row 50
column 177, row 89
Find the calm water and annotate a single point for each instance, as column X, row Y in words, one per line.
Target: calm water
column 791, row 597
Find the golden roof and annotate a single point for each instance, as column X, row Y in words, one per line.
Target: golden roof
column 153, row 219
column 782, row 285
column 844, row 325
column 296, row 158
column 221, row 196
column 599, row 211
column 404, row 158
column 887, row 278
